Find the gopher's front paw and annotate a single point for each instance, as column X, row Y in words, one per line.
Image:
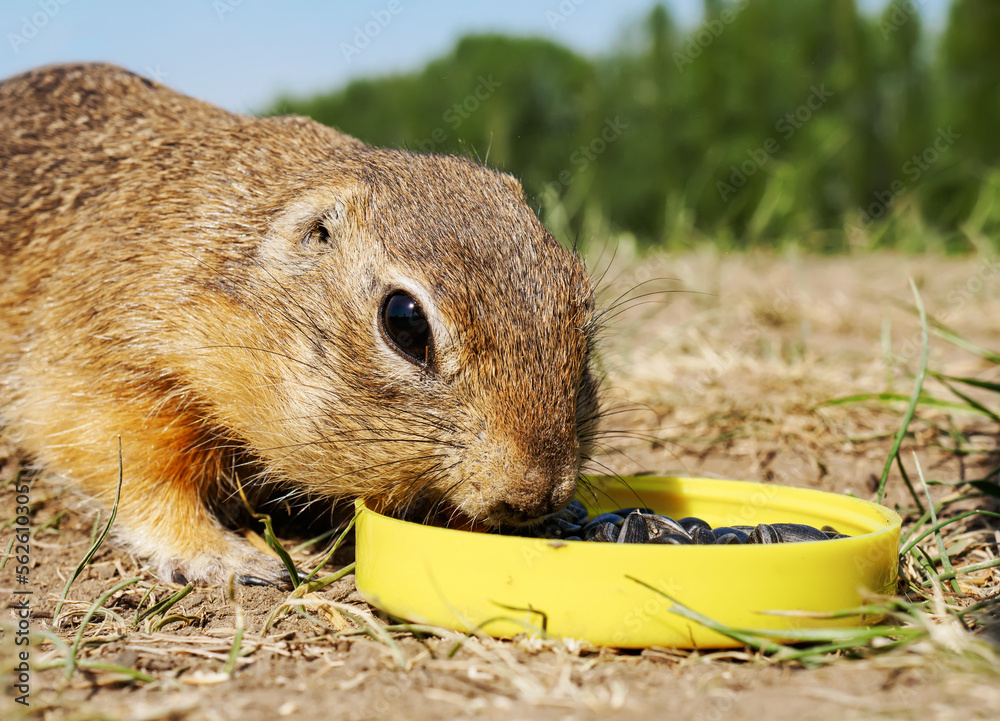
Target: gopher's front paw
column 248, row 567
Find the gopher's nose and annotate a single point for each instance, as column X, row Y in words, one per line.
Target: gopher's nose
column 539, row 494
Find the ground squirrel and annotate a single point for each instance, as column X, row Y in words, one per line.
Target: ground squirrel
column 270, row 301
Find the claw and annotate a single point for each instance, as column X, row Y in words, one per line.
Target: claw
column 254, row 581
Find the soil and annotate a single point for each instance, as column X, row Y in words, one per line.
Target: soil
column 728, row 373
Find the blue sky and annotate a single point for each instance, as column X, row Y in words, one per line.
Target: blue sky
column 242, row 53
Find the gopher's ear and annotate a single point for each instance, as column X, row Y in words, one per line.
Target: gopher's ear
column 323, row 231
column 309, row 226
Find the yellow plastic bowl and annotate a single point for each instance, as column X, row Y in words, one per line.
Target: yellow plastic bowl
column 505, row 585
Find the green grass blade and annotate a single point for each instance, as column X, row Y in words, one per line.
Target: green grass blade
column 957, row 340
column 70, row 663
column 234, row 652
column 100, row 538
column 925, row 400
column 166, row 620
column 309, row 543
column 750, row 639
column 333, row 549
column 971, row 402
column 975, row 382
column 989, row 488
column 859, row 397
column 143, row 600
column 275, row 545
column 914, row 397
column 909, row 483
column 954, row 573
column 829, row 639
column 942, row 551
column 910, row 544
column 162, row 606
column 125, row 671
column 331, row 578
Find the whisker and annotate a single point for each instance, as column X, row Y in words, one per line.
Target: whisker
column 261, row 350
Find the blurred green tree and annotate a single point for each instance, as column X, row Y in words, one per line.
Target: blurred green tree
column 770, row 122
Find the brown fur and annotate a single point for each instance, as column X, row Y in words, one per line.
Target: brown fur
column 161, row 280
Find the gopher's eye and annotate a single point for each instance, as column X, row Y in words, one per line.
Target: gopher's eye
column 405, row 324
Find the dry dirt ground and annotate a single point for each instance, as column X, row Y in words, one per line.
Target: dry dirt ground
column 726, row 376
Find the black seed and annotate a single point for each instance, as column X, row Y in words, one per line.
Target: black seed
column 798, row 532
column 575, row 512
column 690, row 523
column 641, row 525
column 608, row 518
column 741, row 536
column 603, row 532
column 676, row 539
column 729, row 539
column 763, row 533
column 579, row 512
column 703, row 536
column 627, row 511
column 659, row 525
column 555, row 528
column 633, row 529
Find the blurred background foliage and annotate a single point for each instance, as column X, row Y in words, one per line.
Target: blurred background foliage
column 772, row 123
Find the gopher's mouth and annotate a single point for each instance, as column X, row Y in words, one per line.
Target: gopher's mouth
column 444, row 512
